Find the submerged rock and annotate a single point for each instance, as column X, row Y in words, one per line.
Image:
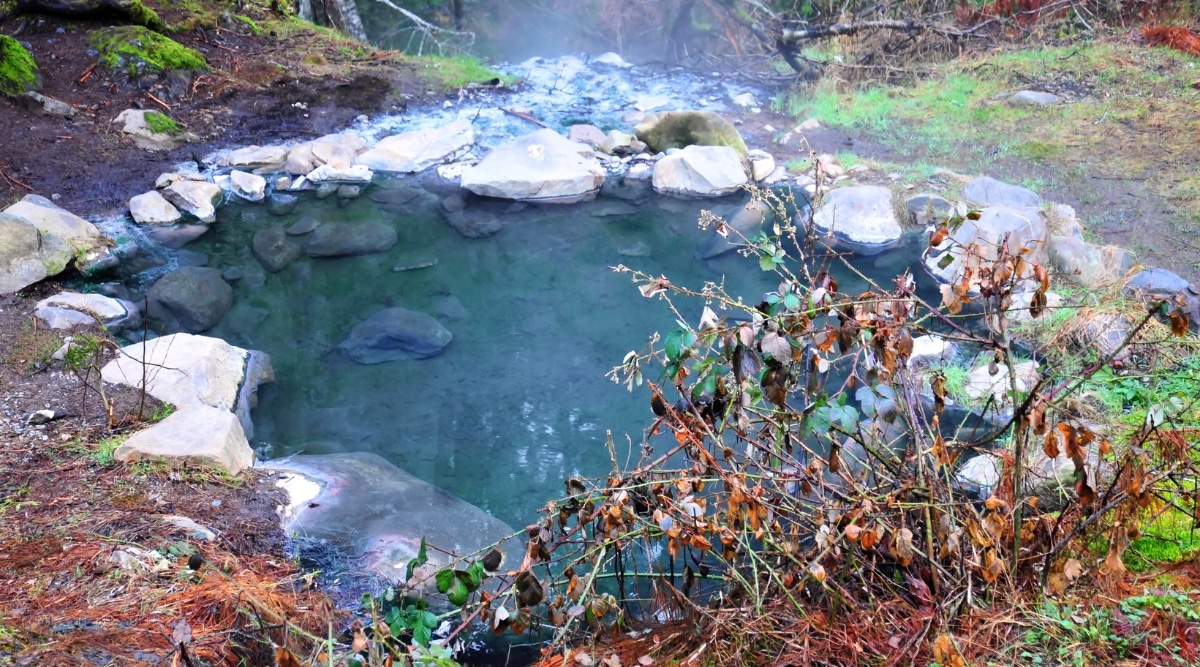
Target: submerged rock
column 394, row 334
column 338, row 239
column 191, row 299
column 275, row 249
column 542, row 165
column 390, row 511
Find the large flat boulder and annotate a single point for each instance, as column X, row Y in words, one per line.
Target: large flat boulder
column 339, row 239
column 190, row 299
column 27, row 256
column 49, row 219
column 192, row 435
column 262, row 158
column 114, row 314
column 542, row 166
column 860, row 218
column 390, row 511
column 411, row 152
column 700, row 171
column 185, row 370
column 393, row 334
column 1088, row 264
column 679, row 129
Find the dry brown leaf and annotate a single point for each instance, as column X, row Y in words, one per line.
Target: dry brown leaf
column 993, row 567
column 945, row 653
column 1179, row 322
column 950, row 300
column 902, row 547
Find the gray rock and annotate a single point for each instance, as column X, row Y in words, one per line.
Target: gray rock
column 349, row 191
column 927, row 209
column 51, row 220
column 860, row 218
column 1158, row 282
column 412, row 152
column 1088, row 264
column 191, row 299
column 151, row 208
column 326, row 190
column 175, row 236
column 281, row 204
column 1052, row 481
column 987, row 191
column 338, row 239
column 931, row 350
column 264, row 158
column 393, row 334
column 305, row 225
column 196, row 198
column 982, row 384
column 542, row 166
column 743, row 224
column 1024, row 227
column 762, row 164
column 1032, row 98
column 336, row 150
column 453, row 203
column 65, row 319
column 585, row 134
column 191, row 258
column 274, row 249
column 616, row 142
column 112, row 313
column 980, row 475
column 232, row 273
column 251, row 187
column 133, row 123
column 700, row 171
column 186, row 370
column 47, row 105
column 678, row 129
column 394, row 193
column 21, row 262
column 193, row 435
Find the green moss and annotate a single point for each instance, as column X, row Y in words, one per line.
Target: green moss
column 250, row 23
column 458, row 71
column 18, row 71
column 143, row 15
column 161, row 123
column 136, row 50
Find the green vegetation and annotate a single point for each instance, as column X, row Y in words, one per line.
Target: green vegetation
column 249, row 23
column 161, row 123
column 18, row 71
column 1132, row 104
column 458, row 71
column 136, row 50
column 103, row 454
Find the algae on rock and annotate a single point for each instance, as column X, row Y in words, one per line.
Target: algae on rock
column 18, row 71
column 136, row 50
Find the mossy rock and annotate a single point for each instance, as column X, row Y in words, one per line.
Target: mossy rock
column 18, row 72
column 133, row 10
column 161, row 123
column 138, row 51
column 680, row 129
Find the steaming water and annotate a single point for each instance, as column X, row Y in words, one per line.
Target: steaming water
column 519, row 400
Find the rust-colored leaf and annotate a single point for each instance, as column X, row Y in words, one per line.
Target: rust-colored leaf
column 284, row 658
column 939, row 236
column 1050, row 444
column 902, row 546
column 951, row 300
column 992, row 566
column 701, row 543
column 1085, row 492
column 945, row 653
column 1179, row 322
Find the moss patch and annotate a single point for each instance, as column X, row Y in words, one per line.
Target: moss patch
column 143, row 15
column 161, row 123
column 136, row 51
column 18, row 71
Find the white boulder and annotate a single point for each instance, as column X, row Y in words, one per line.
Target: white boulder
column 196, row 198
column 541, row 165
column 700, row 171
column 151, row 208
column 416, row 151
column 859, row 217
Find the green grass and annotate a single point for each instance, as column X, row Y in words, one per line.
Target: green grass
column 18, row 71
column 103, row 454
column 1172, row 538
column 457, row 71
column 956, row 381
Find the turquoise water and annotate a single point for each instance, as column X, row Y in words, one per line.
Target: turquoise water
column 519, row 400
